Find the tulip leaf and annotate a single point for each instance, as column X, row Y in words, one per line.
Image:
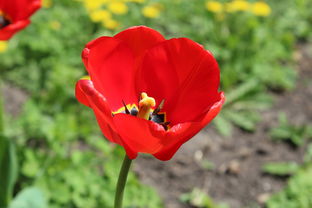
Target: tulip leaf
column 8, row 170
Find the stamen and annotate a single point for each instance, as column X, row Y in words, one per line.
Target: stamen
column 145, row 105
column 160, row 106
column 126, row 109
column 4, row 21
column 165, row 125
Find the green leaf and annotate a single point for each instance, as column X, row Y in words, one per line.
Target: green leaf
column 223, row 126
column 31, row 197
column 245, row 120
column 297, row 194
column 199, row 198
column 8, row 173
column 241, row 91
column 288, row 132
column 281, row 169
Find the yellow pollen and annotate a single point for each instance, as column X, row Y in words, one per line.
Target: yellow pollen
column 145, row 105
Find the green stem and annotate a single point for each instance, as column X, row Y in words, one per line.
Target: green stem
column 1, row 111
column 122, row 179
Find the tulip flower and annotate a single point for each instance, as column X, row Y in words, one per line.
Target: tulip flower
column 149, row 94
column 14, row 16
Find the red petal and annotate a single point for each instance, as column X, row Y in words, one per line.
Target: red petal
column 139, row 134
column 139, row 39
column 110, row 64
column 184, row 74
column 7, row 32
column 80, row 94
column 87, row 95
column 19, row 9
column 181, row 133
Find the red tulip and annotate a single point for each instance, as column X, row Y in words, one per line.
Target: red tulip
column 14, row 16
column 181, row 77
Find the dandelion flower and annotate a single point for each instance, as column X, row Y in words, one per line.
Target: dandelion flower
column 110, row 24
column 151, row 11
column 92, row 4
column 261, row 9
column 136, row 1
column 214, row 6
column 238, row 5
column 100, row 15
column 3, row 46
column 118, row 8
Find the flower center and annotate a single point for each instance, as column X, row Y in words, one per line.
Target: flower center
column 4, row 20
column 146, row 110
column 145, row 106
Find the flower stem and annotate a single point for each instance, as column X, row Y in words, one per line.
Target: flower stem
column 122, row 179
column 1, row 111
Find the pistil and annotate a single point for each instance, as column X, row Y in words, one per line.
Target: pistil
column 145, row 105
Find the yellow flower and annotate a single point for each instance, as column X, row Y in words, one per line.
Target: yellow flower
column 93, row 4
column 261, row 9
column 55, row 25
column 118, row 7
column 237, row 5
column 3, row 46
column 110, row 24
column 214, row 6
column 151, row 11
column 46, row 3
column 136, row 1
column 100, row 15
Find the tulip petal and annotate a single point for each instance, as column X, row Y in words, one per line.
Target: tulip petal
column 89, row 96
column 110, row 64
column 184, row 74
column 8, row 31
column 140, row 135
column 181, row 133
column 139, row 39
column 19, row 9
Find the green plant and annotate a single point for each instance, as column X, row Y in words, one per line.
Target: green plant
column 242, row 107
column 281, row 168
column 297, row 194
column 29, row 197
column 9, row 171
column 199, row 198
column 288, row 132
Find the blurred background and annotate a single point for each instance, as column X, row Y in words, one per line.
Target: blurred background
column 257, row 153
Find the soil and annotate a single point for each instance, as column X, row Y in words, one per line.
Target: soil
column 14, row 99
column 237, row 177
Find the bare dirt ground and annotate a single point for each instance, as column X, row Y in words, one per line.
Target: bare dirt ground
column 237, row 178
